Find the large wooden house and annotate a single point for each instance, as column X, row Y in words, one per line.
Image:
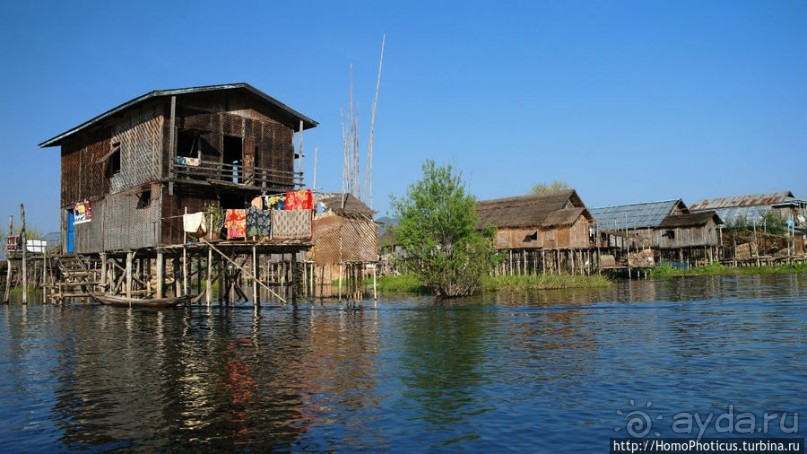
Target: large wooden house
column 541, row 232
column 140, row 165
column 131, row 174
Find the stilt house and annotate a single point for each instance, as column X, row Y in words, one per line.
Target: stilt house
column 540, row 232
column 659, row 231
column 129, row 175
column 135, row 169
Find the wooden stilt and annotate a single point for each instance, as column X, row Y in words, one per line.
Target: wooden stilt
column 129, row 257
column 160, row 274
column 8, row 263
column 255, row 296
column 24, row 256
column 209, row 283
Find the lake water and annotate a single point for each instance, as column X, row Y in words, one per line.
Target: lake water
column 555, row 371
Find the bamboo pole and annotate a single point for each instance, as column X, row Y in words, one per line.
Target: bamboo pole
column 160, row 274
column 8, row 261
column 129, row 257
column 255, row 297
column 24, row 256
column 209, row 283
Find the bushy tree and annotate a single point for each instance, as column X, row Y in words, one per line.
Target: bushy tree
column 438, row 230
column 555, row 186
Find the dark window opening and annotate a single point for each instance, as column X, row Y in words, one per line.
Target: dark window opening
column 188, row 145
column 144, row 200
column 114, row 164
column 233, row 156
column 669, row 234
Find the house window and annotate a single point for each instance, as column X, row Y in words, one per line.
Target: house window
column 144, row 200
column 113, row 160
column 188, row 144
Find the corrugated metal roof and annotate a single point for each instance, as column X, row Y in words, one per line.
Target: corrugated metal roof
column 638, row 215
column 752, row 214
column 307, row 122
column 767, row 198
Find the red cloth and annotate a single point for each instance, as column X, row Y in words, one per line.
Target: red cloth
column 299, row 200
column 236, row 223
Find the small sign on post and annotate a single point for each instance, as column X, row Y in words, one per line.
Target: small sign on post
column 13, row 243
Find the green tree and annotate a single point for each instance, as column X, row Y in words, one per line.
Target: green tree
column 555, row 186
column 438, row 230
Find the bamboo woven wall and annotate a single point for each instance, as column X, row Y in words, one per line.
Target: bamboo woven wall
column 343, row 239
column 140, row 138
column 81, row 176
column 574, row 236
column 704, row 235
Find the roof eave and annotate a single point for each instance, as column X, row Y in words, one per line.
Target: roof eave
column 57, row 140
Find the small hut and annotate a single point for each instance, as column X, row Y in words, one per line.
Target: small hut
column 345, row 244
column 540, row 232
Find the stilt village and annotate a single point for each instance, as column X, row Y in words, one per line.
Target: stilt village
column 198, row 195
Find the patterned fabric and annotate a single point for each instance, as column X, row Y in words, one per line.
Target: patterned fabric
column 299, row 200
column 291, row 225
column 258, row 222
column 236, row 223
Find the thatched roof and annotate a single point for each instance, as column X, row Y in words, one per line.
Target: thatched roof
column 542, row 210
column 690, row 219
column 344, row 204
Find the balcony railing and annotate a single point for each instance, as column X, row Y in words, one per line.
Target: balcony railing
column 252, row 177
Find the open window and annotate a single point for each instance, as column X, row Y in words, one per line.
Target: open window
column 112, row 160
column 233, row 156
column 144, row 199
column 188, row 145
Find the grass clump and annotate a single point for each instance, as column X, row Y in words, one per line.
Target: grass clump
column 716, row 269
column 545, row 282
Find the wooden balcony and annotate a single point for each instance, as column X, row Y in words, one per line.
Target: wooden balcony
column 237, row 176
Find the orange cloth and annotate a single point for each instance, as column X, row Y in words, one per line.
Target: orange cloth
column 236, row 223
column 299, row 200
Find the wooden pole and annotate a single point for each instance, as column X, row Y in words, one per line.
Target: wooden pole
column 184, row 259
column 340, row 282
column 44, row 274
column 375, row 290
column 8, row 261
column 255, row 297
column 160, row 274
column 209, row 283
column 24, row 256
column 129, row 258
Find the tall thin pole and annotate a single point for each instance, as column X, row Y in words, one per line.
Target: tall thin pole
column 314, row 183
column 368, row 173
column 24, row 257
column 8, row 261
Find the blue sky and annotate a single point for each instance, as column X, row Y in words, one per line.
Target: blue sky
column 627, row 101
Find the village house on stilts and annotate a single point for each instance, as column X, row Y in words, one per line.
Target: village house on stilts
column 641, row 235
column 181, row 191
column 541, row 233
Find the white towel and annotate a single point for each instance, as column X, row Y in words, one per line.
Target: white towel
column 194, row 222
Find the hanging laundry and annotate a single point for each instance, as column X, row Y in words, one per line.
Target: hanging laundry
column 281, row 204
column 258, row 222
column 194, row 223
column 257, row 202
column 236, row 223
column 299, row 200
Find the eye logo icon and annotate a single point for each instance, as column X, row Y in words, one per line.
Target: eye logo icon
column 638, row 422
